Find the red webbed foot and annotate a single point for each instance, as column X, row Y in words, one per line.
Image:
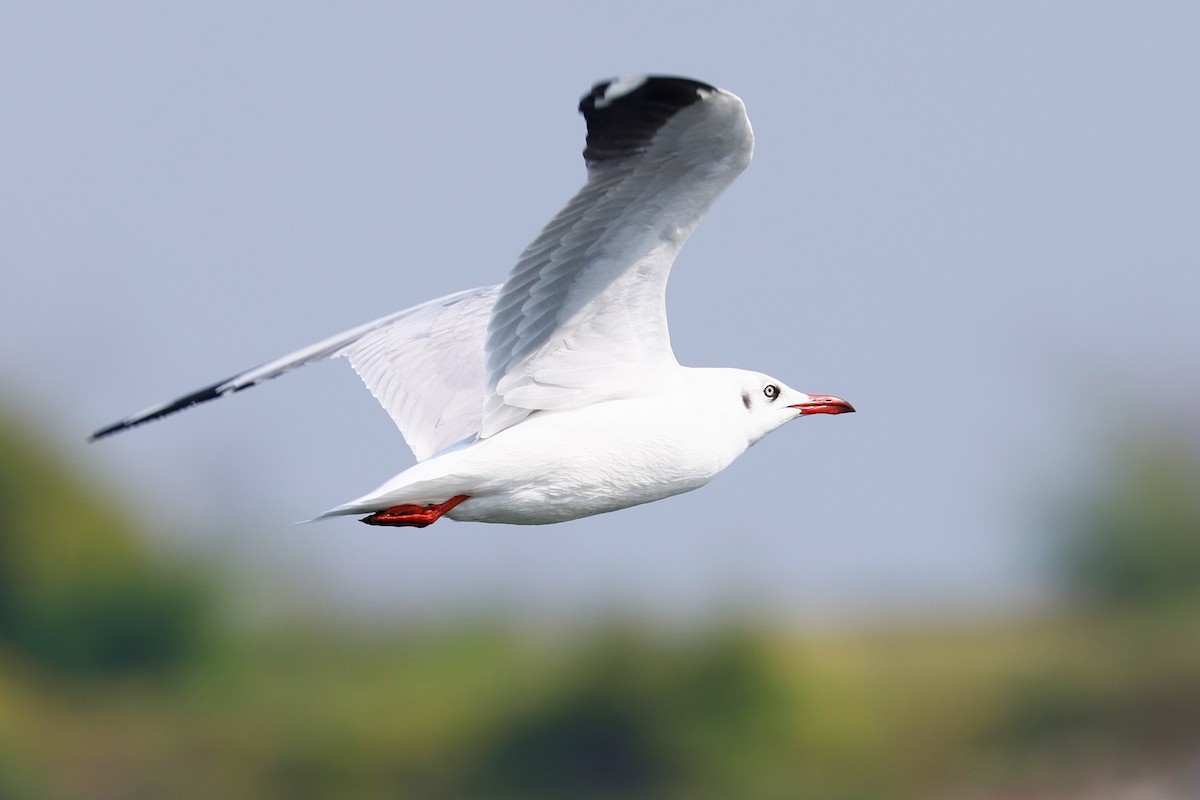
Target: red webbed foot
column 413, row 516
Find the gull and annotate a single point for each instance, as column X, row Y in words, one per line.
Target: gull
column 556, row 394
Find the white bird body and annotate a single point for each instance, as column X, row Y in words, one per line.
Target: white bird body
column 557, row 466
column 556, row 395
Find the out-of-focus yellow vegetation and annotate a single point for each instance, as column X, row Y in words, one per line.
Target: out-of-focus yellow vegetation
column 118, row 678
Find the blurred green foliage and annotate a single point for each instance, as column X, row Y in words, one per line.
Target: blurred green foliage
column 149, row 694
column 1136, row 538
column 640, row 720
column 77, row 592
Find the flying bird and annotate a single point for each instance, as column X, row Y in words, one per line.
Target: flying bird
column 556, row 395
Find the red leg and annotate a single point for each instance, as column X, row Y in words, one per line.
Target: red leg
column 413, row 516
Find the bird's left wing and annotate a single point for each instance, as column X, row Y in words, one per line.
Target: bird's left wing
column 582, row 316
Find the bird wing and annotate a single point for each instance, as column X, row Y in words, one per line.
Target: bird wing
column 424, row 364
column 427, row 369
column 582, row 316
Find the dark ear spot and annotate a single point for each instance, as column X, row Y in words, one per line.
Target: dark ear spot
column 746, row 399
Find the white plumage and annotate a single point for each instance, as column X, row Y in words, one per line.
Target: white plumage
column 561, row 383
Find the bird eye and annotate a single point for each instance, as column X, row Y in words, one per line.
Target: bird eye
column 771, row 391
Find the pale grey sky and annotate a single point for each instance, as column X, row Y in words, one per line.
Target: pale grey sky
column 977, row 223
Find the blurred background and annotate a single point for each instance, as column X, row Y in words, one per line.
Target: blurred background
column 978, row 224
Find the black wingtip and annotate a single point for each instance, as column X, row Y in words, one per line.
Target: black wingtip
column 187, row 401
column 623, row 114
column 111, row 429
column 117, row 427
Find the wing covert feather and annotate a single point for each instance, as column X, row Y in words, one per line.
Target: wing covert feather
column 426, row 369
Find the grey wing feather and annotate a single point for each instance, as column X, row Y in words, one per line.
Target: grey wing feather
column 424, row 365
column 582, row 316
column 426, row 369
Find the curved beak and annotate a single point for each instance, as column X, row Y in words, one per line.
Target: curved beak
column 823, row 404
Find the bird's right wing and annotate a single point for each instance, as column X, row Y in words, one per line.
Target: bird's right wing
column 426, row 368
column 424, row 364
